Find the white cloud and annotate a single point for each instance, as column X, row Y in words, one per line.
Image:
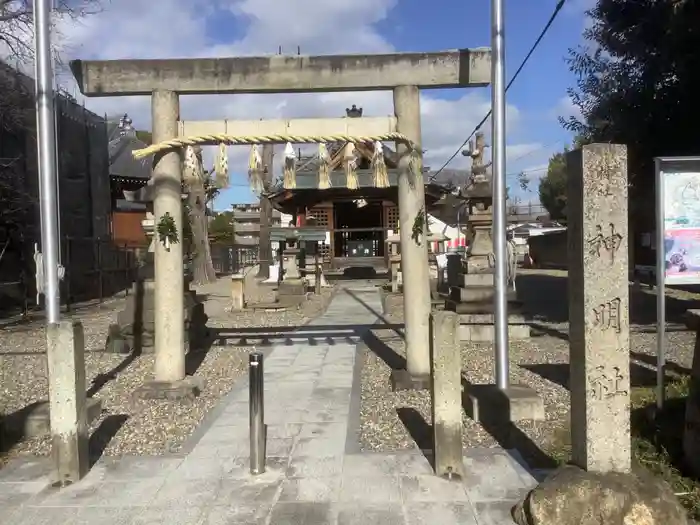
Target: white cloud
column 565, row 109
column 578, row 7
column 183, row 28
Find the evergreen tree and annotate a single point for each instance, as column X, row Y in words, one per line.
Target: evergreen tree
column 638, row 80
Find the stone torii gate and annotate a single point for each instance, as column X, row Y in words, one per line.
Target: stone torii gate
column 165, row 80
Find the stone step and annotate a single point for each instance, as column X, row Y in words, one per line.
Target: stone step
column 482, row 307
column 478, row 293
column 477, row 279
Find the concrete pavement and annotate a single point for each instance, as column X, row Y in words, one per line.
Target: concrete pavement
column 315, row 475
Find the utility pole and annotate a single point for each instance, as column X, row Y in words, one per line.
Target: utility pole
column 498, row 101
column 264, row 246
column 46, row 151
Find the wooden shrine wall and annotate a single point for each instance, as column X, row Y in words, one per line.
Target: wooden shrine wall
column 325, row 218
column 391, row 216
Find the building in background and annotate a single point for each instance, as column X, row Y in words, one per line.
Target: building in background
column 83, row 193
column 128, row 178
column 358, row 221
column 246, row 225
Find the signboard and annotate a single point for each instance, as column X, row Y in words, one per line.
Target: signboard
column 681, row 226
column 677, row 242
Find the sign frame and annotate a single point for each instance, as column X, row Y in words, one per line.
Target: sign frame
column 663, row 167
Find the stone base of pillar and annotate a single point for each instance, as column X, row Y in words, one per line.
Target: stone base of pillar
column 403, row 380
column 483, row 295
column 475, row 304
column 480, row 308
column 186, row 389
column 489, row 404
column 478, row 279
column 481, row 327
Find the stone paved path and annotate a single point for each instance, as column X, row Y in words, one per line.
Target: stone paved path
column 313, row 477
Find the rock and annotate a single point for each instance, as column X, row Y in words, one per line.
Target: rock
column 572, row 496
column 117, row 342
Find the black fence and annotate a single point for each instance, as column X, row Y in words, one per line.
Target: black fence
column 95, row 269
column 228, row 259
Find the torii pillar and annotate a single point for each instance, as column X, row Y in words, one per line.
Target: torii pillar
column 169, row 380
column 404, row 73
column 414, row 254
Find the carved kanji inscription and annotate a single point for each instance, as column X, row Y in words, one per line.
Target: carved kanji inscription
column 606, row 315
column 604, row 242
column 607, row 385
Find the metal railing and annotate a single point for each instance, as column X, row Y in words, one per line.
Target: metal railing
column 95, row 269
column 228, row 259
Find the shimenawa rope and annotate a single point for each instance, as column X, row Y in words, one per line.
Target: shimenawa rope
column 233, row 140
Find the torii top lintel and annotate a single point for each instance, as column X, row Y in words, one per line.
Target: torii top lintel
column 284, row 74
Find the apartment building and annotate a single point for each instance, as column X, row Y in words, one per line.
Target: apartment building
column 246, row 224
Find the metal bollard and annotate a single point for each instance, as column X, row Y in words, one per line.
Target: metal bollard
column 257, row 413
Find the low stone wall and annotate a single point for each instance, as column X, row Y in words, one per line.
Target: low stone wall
column 549, row 251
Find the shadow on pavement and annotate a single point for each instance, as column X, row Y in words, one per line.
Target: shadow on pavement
column 497, row 423
column 420, row 430
column 103, row 434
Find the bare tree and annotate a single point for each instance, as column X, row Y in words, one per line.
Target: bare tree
column 17, row 31
column 197, row 186
column 17, row 112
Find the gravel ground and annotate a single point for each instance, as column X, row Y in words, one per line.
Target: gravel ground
column 130, row 426
column 256, row 292
column 388, row 423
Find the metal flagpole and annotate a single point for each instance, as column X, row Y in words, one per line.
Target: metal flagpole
column 46, row 150
column 498, row 101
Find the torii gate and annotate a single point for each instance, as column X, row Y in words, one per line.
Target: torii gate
column 165, row 80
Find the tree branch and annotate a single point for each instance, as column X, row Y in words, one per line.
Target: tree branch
column 17, row 19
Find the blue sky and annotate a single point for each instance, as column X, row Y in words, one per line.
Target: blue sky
column 539, row 92
column 258, row 27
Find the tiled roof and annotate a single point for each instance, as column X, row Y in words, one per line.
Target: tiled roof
column 121, row 161
column 448, row 177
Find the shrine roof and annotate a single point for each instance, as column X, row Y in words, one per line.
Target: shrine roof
column 121, row 161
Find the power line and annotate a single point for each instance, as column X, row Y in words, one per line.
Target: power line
column 549, row 23
column 529, row 153
column 546, row 146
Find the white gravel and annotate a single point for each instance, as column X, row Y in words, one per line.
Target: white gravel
column 130, row 426
column 538, row 363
